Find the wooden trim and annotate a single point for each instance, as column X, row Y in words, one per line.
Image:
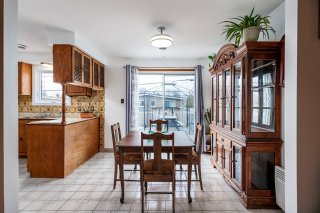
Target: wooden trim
column 105, row 149
column 166, row 69
column 1, row 111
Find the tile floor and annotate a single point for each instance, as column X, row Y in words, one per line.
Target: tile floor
column 89, row 189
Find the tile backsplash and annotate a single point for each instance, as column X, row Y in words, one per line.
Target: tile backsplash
column 78, row 105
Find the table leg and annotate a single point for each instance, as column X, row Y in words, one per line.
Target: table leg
column 189, row 172
column 121, row 174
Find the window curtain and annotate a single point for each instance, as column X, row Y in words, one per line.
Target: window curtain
column 199, row 108
column 132, row 98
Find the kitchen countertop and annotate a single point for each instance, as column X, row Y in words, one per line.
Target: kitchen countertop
column 58, row 121
column 38, row 118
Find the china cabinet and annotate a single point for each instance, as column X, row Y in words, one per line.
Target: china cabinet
column 246, row 112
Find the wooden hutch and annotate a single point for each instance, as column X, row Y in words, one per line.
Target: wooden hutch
column 246, row 119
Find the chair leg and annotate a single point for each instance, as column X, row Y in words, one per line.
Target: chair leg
column 135, row 167
column 146, row 187
column 168, row 155
column 200, row 177
column 115, row 175
column 173, row 192
column 142, row 196
column 180, row 167
column 195, row 171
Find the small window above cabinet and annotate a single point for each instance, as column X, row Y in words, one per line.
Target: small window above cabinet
column 98, row 75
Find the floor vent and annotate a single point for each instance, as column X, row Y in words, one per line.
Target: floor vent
column 280, row 180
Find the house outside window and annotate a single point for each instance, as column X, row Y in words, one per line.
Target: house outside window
column 152, row 103
column 141, row 104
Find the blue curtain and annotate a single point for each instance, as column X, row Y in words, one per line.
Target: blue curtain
column 199, row 108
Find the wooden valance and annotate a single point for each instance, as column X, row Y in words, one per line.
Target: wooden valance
column 225, row 54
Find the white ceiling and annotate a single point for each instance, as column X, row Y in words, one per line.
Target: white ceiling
column 123, row 28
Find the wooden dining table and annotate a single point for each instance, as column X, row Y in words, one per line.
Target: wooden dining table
column 132, row 144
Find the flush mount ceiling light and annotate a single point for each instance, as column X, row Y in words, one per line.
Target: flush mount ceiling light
column 161, row 41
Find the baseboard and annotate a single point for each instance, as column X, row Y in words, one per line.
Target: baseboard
column 106, row 150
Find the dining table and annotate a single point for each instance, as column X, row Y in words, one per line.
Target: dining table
column 131, row 143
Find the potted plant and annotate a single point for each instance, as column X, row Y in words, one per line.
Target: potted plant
column 247, row 27
column 212, row 58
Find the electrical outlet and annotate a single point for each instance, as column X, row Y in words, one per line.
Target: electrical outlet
column 122, row 100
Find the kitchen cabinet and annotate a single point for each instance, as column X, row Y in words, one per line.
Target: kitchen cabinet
column 72, row 90
column 71, row 66
column 246, row 109
column 98, row 75
column 24, row 78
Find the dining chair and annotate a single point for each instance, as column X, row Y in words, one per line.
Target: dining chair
column 196, row 155
column 159, row 125
column 128, row 158
column 157, row 169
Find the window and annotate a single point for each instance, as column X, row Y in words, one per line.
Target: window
column 168, row 96
column 141, row 104
column 46, row 92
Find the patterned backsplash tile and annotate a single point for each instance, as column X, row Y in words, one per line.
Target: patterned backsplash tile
column 78, row 104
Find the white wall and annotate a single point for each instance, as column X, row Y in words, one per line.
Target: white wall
column 10, row 108
column 116, row 87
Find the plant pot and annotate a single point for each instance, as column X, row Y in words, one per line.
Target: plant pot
column 251, row 33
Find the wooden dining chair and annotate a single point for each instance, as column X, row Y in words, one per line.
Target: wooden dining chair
column 196, row 154
column 129, row 158
column 157, row 169
column 159, row 124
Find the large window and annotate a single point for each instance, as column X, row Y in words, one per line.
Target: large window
column 45, row 91
column 169, row 97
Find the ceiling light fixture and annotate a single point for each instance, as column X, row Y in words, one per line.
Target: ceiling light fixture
column 161, row 41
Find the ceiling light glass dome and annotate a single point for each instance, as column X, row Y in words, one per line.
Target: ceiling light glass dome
column 161, row 41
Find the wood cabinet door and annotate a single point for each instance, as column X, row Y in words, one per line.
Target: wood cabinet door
column 95, row 74
column 22, row 140
column 101, row 76
column 24, row 79
column 87, row 75
column 237, row 165
column 220, row 154
column 227, row 161
column 77, row 66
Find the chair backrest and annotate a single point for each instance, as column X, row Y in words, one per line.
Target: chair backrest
column 159, row 124
column 198, row 138
column 157, row 165
column 116, row 135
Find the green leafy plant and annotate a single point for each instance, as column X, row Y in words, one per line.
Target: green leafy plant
column 207, row 116
column 212, row 58
column 233, row 27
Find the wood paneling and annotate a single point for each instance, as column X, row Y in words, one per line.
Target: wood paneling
column 54, row 151
column 24, row 78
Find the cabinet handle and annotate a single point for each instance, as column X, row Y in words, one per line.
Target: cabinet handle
column 20, row 138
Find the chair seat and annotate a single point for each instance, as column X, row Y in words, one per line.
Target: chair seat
column 183, row 157
column 167, row 165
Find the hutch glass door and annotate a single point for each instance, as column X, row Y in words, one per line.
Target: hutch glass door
column 214, row 99
column 237, row 94
column 263, row 95
column 220, row 98
column 227, row 117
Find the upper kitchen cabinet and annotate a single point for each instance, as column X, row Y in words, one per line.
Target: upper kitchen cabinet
column 71, row 66
column 98, row 75
column 24, row 78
